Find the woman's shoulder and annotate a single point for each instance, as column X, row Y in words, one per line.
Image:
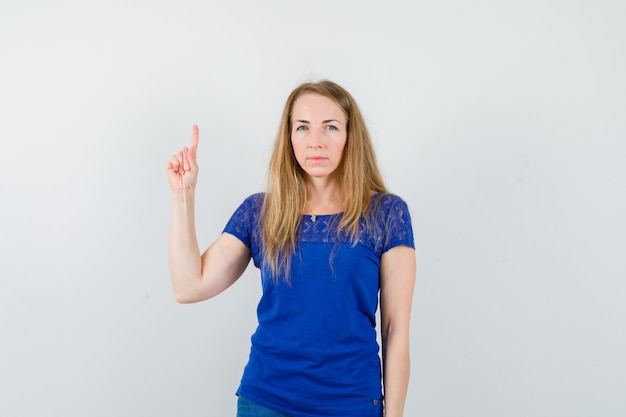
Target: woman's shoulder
column 255, row 199
column 385, row 201
column 253, row 202
column 393, row 220
column 250, row 206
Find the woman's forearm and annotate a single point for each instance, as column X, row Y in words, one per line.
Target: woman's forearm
column 396, row 371
column 183, row 250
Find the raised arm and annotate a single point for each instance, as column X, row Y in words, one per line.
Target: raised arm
column 397, row 281
column 197, row 277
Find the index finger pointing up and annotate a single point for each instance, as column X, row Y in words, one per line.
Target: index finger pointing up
column 195, row 133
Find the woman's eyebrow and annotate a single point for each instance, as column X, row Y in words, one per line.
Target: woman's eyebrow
column 323, row 121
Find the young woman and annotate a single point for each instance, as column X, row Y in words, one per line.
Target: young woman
column 329, row 240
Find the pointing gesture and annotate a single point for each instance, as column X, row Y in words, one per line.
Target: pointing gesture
column 182, row 167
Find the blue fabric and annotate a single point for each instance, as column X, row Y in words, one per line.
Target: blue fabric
column 315, row 352
column 248, row 408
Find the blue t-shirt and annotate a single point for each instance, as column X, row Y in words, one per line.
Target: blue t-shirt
column 314, row 352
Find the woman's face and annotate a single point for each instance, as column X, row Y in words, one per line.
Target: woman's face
column 318, row 134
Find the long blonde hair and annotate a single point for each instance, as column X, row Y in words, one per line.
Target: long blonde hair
column 286, row 192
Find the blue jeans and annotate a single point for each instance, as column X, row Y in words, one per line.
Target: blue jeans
column 247, row 408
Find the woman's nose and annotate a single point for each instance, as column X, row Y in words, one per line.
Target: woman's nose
column 315, row 139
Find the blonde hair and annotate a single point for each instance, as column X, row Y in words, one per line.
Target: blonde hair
column 286, row 192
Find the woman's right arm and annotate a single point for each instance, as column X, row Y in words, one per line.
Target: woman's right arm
column 197, row 277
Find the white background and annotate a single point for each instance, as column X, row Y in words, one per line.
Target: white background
column 501, row 123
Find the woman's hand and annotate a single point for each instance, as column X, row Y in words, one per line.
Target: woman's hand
column 196, row 276
column 182, row 167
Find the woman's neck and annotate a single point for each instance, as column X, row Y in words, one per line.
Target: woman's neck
column 323, row 197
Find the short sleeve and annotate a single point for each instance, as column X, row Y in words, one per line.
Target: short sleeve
column 244, row 221
column 397, row 225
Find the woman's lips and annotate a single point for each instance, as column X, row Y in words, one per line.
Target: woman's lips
column 316, row 159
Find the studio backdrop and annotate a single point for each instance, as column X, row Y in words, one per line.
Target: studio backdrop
column 500, row 123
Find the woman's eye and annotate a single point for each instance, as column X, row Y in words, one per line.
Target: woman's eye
column 331, row 127
column 300, row 128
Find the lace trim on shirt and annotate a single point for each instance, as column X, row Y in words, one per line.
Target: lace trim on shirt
column 389, row 227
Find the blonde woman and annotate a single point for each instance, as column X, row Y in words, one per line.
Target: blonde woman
column 330, row 242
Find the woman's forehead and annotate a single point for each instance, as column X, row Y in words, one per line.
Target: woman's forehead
column 316, row 106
